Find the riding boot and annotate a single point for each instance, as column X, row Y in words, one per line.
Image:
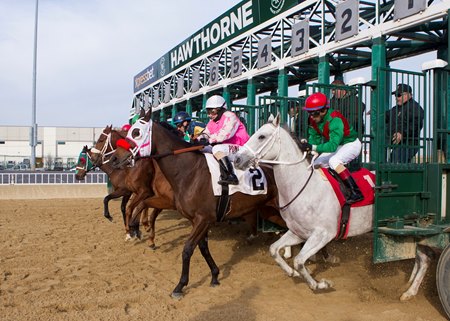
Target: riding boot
column 350, row 184
column 230, row 178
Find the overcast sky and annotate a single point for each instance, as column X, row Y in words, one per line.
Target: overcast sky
column 88, row 53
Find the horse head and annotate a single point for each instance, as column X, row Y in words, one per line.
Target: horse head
column 84, row 164
column 136, row 143
column 106, row 145
column 262, row 145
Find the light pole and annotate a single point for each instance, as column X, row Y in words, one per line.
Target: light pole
column 33, row 134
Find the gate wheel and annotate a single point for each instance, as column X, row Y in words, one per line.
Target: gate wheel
column 443, row 279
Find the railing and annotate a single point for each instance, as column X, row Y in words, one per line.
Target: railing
column 50, row 178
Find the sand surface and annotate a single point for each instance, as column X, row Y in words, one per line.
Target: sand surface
column 61, row 260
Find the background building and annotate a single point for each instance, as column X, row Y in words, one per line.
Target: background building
column 58, row 147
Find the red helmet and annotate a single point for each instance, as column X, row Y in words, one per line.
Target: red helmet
column 316, row 101
column 126, row 127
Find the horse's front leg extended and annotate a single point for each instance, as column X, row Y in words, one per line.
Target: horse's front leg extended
column 286, row 240
column 199, row 231
column 422, row 262
column 204, row 249
column 317, row 240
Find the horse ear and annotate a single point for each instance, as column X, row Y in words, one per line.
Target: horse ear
column 142, row 113
column 276, row 120
column 271, row 118
column 148, row 114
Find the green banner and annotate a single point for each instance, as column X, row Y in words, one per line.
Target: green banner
column 239, row 19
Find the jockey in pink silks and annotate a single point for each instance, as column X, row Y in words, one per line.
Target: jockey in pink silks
column 228, row 133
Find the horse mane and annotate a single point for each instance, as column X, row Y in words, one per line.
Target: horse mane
column 173, row 132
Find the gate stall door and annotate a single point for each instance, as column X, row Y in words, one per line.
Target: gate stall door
column 408, row 175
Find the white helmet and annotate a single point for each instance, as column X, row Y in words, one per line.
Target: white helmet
column 216, row 101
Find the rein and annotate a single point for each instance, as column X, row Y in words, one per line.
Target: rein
column 276, row 137
column 281, row 208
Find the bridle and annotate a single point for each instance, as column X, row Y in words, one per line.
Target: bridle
column 103, row 152
column 276, row 138
column 88, row 162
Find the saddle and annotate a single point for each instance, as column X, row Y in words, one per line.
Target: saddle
column 251, row 182
column 366, row 183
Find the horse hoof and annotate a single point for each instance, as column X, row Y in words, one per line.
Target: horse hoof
column 405, row 297
column 324, row 284
column 109, row 217
column 128, row 237
column 215, row 284
column 333, row 259
column 153, row 247
column 177, row 295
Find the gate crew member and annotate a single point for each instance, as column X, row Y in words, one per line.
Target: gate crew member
column 227, row 131
column 334, row 139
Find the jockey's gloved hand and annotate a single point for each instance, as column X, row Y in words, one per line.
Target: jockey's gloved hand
column 305, row 146
column 203, row 141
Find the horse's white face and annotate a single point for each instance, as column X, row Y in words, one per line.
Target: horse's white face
column 263, row 144
column 140, row 135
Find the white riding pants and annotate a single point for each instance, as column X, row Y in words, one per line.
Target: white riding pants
column 343, row 155
column 221, row 150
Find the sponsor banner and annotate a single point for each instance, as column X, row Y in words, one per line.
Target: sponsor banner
column 239, row 19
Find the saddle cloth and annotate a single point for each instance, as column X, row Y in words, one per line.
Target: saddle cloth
column 364, row 178
column 251, row 181
column 366, row 182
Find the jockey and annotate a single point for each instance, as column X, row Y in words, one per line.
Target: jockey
column 227, row 131
column 182, row 121
column 334, row 139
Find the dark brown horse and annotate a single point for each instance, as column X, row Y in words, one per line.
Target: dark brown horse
column 145, row 181
column 188, row 174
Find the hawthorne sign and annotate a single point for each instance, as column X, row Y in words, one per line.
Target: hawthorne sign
column 239, row 19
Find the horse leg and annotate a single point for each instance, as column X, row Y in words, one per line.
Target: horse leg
column 198, row 232
column 286, row 240
column 116, row 194
column 204, row 249
column 317, row 240
column 129, row 216
column 421, row 264
column 151, row 227
column 123, row 205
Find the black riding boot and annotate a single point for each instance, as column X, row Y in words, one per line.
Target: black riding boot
column 350, row 184
column 230, row 178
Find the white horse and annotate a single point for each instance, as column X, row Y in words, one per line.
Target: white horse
column 311, row 216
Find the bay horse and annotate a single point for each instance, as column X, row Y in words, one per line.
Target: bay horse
column 144, row 181
column 312, row 215
column 149, row 187
column 188, row 174
column 84, row 165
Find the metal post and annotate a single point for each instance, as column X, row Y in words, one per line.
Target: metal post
column 174, row 111
column 226, row 95
column 283, row 92
column 189, row 107
column 251, row 101
column 324, row 70
column 33, row 134
column 378, row 98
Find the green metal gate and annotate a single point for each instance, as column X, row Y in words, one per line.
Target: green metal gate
column 411, row 193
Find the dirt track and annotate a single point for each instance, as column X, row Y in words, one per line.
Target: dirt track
column 61, row 260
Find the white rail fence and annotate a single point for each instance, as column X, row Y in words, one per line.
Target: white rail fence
column 49, row 178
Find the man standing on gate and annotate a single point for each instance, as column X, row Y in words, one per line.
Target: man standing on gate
column 404, row 122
